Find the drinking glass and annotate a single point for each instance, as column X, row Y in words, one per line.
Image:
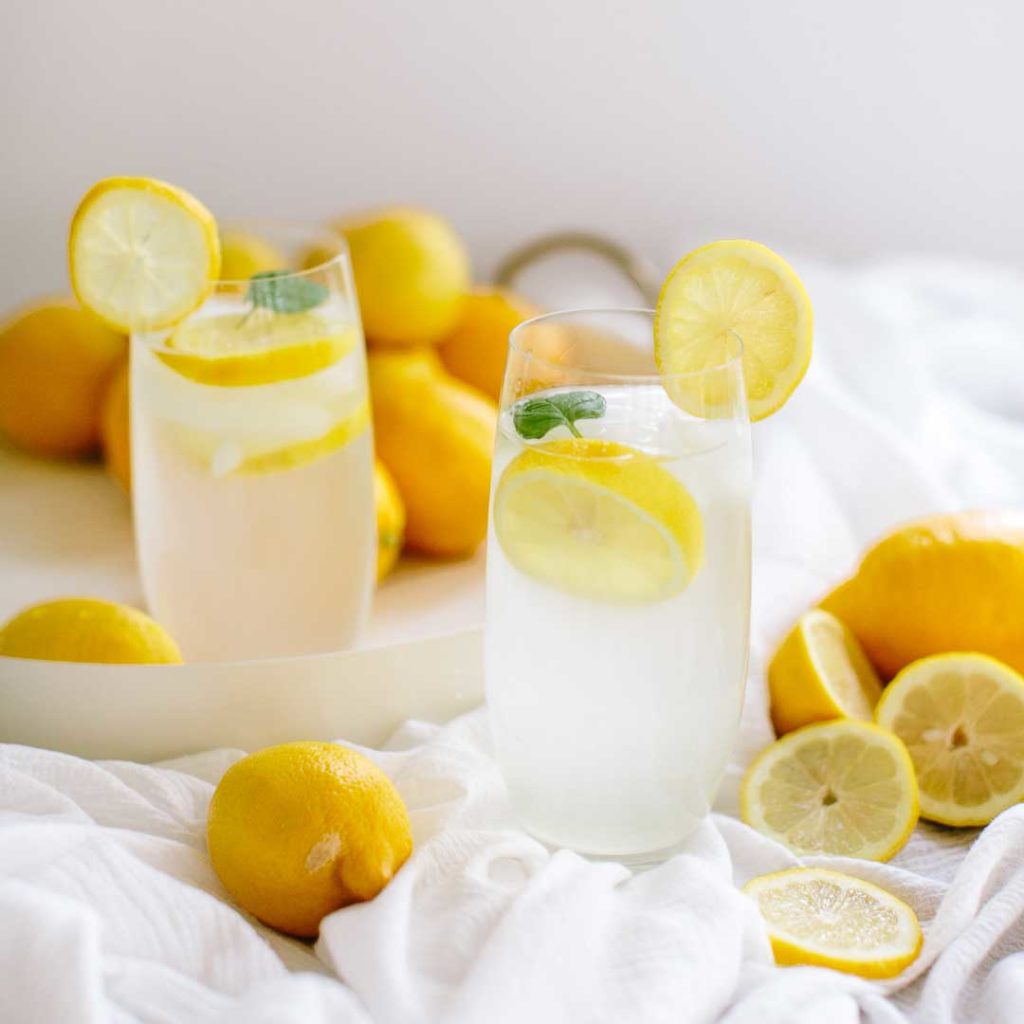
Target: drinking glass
column 252, row 461
column 618, row 583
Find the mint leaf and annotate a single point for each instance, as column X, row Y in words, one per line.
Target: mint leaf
column 283, row 292
column 534, row 417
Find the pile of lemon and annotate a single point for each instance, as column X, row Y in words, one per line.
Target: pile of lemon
column 437, row 350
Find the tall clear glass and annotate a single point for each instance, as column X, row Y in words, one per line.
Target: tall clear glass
column 618, row 583
column 252, row 462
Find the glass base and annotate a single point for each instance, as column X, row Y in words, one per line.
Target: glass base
column 636, row 861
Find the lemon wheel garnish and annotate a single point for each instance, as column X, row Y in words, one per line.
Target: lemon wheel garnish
column 599, row 520
column 820, row 672
column 143, row 254
column 844, row 787
column 961, row 717
column 242, row 350
column 723, row 295
column 829, row 919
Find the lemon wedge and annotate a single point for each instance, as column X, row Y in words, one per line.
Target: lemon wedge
column 820, row 672
column 142, row 254
column 243, row 350
column 718, row 297
column 599, row 520
column 829, row 919
column 961, row 717
column 844, row 787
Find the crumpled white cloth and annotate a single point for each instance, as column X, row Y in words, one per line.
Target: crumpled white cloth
column 110, row 911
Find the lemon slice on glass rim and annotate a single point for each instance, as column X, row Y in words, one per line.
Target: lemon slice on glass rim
column 723, row 297
column 599, row 520
column 142, row 254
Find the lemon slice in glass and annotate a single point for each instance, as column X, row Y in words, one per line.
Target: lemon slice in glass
column 829, row 919
column 820, row 672
column 961, row 717
column 142, row 254
column 261, row 347
column 844, row 787
column 723, row 295
column 599, row 520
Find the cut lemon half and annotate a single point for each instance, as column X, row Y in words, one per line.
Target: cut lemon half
column 820, row 672
column 599, row 520
column 961, row 717
column 242, row 350
column 720, row 297
column 842, row 787
column 143, row 254
column 829, row 919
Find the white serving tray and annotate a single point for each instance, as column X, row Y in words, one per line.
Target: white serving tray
column 65, row 529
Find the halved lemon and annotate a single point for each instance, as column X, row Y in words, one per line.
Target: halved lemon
column 260, row 347
column 820, row 672
column 143, row 254
column 718, row 297
column 842, row 787
column 829, row 919
column 599, row 520
column 961, row 717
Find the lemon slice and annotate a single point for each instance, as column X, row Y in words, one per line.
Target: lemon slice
column 961, row 717
column 143, row 254
column 829, row 919
column 720, row 294
column 820, row 672
column 842, row 787
column 242, row 350
column 599, row 520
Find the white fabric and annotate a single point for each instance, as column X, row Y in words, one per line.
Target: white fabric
column 109, row 910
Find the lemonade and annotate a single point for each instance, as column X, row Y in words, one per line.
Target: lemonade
column 617, row 605
column 252, row 478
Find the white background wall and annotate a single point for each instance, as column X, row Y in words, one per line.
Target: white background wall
column 847, row 128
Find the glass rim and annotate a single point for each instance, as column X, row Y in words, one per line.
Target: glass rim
column 727, row 363
column 312, row 233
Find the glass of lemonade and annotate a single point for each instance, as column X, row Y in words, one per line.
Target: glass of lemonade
column 618, row 583
column 252, row 462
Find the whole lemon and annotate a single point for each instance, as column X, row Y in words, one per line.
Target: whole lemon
column 243, row 254
column 55, row 362
column 87, row 629
column 115, row 428
column 435, row 434
column 390, row 519
column 946, row 583
column 299, row 830
column 476, row 348
column 411, row 273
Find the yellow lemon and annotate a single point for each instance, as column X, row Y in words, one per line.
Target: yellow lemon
column 961, row 717
column 600, row 520
column 300, row 830
column 411, row 273
column 55, row 363
column 115, row 428
column 820, row 672
column 436, row 435
column 243, row 254
column 390, row 519
column 87, row 629
column 843, row 787
column 476, row 348
column 262, row 348
column 828, row 919
column 723, row 292
column 946, row 583
column 142, row 254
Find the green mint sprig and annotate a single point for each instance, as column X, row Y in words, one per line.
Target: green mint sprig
column 283, row 292
column 534, row 417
